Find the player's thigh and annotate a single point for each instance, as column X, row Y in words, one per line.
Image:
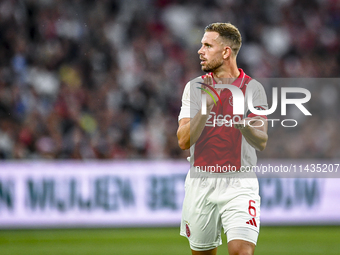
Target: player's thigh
column 201, row 222
column 241, row 217
column 236, row 247
column 210, row 252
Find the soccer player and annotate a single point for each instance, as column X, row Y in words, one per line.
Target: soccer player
column 221, row 142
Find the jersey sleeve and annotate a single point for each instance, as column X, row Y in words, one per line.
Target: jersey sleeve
column 190, row 106
column 259, row 98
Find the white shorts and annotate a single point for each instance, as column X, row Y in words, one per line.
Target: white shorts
column 212, row 203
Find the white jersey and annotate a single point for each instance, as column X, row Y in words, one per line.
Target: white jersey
column 220, row 144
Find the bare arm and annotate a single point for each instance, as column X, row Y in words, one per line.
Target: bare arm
column 190, row 130
column 256, row 134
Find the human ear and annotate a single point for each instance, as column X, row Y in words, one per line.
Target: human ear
column 226, row 52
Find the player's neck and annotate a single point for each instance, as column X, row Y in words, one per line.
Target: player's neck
column 227, row 71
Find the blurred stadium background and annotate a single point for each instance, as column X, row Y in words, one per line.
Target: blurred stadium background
column 88, row 87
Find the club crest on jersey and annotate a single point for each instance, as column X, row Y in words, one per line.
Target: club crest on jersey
column 231, row 100
column 187, row 230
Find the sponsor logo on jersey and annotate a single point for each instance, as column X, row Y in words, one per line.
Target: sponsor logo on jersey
column 220, row 120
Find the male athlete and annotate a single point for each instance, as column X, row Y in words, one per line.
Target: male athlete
column 218, row 141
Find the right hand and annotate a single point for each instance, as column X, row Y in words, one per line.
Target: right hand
column 208, row 79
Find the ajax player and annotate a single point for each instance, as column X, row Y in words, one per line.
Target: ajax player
column 217, row 140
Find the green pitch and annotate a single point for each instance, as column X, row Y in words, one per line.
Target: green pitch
column 160, row 241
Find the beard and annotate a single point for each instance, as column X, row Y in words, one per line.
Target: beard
column 212, row 66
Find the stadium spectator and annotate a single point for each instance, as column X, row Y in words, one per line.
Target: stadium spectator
column 86, row 79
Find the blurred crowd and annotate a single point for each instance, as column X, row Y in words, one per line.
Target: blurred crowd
column 86, row 79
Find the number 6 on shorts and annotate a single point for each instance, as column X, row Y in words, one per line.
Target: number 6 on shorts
column 252, row 209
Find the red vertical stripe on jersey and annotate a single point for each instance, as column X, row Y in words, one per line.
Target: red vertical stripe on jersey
column 220, row 145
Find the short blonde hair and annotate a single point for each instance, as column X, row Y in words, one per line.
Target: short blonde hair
column 229, row 33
